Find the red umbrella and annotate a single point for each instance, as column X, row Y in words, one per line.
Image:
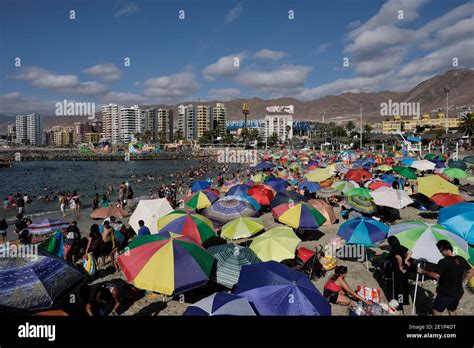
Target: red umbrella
column 446, row 199
column 358, row 175
column 312, row 167
column 374, row 185
column 443, row 176
column 389, row 160
column 263, row 194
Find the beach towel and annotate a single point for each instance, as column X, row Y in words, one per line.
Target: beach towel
column 370, row 294
column 54, row 245
column 88, row 262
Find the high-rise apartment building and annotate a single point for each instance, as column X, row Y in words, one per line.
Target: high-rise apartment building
column 203, row 123
column 164, row 129
column 132, row 121
column 111, row 122
column 29, row 129
column 219, row 118
column 187, row 121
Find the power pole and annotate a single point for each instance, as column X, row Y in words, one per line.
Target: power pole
column 447, row 108
column 361, row 130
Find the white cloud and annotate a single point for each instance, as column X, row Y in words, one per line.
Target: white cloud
column 224, row 94
column 109, row 72
column 123, row 98
column 234, row 13
column 225, row 66
column 14, row 103
column 175, row 86
column 127, row 10
column 284, row 79
column 270, row 54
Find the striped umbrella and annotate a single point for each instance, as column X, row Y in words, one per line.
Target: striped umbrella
column 46, row 226
column 243, row 227
column 362, row 204
column 221, row 303
column 230, row 208
column 363, row 231
column 228, row 184
column 194, row 226
column 278, row 243
column 328, row 192
column 165, row 264
column 201, row 199
column 300, row 215
column 342, row 168
column 230, row 259
column 421, row 239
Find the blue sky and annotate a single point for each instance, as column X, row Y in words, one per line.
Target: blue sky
column 173, row 60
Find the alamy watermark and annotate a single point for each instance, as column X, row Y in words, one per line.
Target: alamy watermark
column 69, row 108
column 349, row 251
column 12, row 250
column 237, row 156
column 399, row 109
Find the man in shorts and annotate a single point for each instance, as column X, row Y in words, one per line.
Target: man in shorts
column 451, row 272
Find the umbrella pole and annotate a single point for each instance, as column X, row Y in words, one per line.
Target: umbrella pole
column 414, row 295
column 366, row 259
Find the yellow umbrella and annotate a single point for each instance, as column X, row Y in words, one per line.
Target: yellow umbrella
column 318, row 175
column 384, row 168
column 277, row 244
column 433, row 184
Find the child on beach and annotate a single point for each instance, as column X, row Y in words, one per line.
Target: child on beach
column 3, row 229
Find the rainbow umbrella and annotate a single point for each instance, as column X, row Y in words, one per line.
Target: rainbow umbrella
column 221, row 303
column 194, row 226
column 201, row 199
column 243, row 227
column 362, row 204
column 328, row 192
column 363, row 231
column 455, row 173
column 270, row 285
column 421, row 239
column 300, row 215
column 406, row 172
column 230, row 259
column 278, row 243
column 165, row 264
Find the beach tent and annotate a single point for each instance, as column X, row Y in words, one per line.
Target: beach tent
column 150, row 210
column 221, row 303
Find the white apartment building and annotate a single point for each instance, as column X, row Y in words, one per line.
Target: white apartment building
column 111, row 122
column 203, row 123
column 29, row 129
column 219, row 118
column 279, row 121
column 132, row 120
column 187, row 121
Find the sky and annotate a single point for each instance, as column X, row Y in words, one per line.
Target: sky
column 223, row 49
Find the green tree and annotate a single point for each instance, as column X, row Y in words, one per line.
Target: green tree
column 466, row 125
column 368, row 128
column 228, row 138
column 179, row 134
column 147, row 136
column 272, row 139
column 350, row 126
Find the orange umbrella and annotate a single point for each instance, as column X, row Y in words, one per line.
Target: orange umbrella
column 325, row 209
column 103, row 213
column 326, row 183
column 358, row 175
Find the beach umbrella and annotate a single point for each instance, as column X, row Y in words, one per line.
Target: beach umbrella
column 359, row 191
column 325, row 209
column 201, row 199
column 263, row 165
column 299, row 215
column 468, row 159
column 446, row 199
column 238, row 190
column 407, row 161
column 423, row 165
column 433, row 156
column 438, row 163
column 221, row 303
column 362, row 204
column 406, row 172
column 230, row 259
column 252, row 201
column 103, row 213
column 345, row 186
column 191, row 225
column 200, row 185
column 363, row 231
column 310, row 186
column 243, row 227
column 230, row 208
column 388, row 197
column 277, row 244
column 259, row 177
column 455, row 173
column 328, row 192
column 312, row 167
column 457, row 164
column 459, row 219
column 149, row 210
column 33, row 282
column 263, row 194
column 287, row 197
column 229, row 184
column 342, row 168
column 375, row 184
column 47, row 225
column 384, row 168
column 270, row 285
column 318, row 175
column 421, row 239
column 278, row 186
column 433, row 184
column 358, row 175
column 165, row 264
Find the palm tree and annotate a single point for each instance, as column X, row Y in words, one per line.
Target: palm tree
column 147, row 136
column 350, row 126
column 466, row 125
column 138, row 136
column 272, row 140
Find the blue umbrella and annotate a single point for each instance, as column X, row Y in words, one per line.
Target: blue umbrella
column 275, row 289
column 278, row 186
column 286, row 197
column 438, row 163
column 363, row 231
column 263, row 165
column 459, row 219
column 390, row 179
column 238, row 190
column 252, row 201
column 221, row 303
column 310, row 186
column 200, row 185
column 407, row 161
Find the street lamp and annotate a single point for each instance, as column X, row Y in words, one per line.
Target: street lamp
column 361, row 131
column 447, row 108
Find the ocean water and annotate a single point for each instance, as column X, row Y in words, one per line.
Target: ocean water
column 38, row 178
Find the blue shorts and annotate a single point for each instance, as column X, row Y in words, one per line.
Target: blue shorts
column 3, row 232
column 443, row 302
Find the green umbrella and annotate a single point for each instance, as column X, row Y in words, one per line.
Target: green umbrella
column 359, row 191
column 457, row 164
column 455, row 173
column 406, row 172
column 469, row 159
column 243, row 227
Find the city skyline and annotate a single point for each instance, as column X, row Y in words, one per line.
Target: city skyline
column 284, row 57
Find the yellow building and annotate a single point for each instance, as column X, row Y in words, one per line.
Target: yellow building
column 408, row 125
column 92, row 137
column 62, row 136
